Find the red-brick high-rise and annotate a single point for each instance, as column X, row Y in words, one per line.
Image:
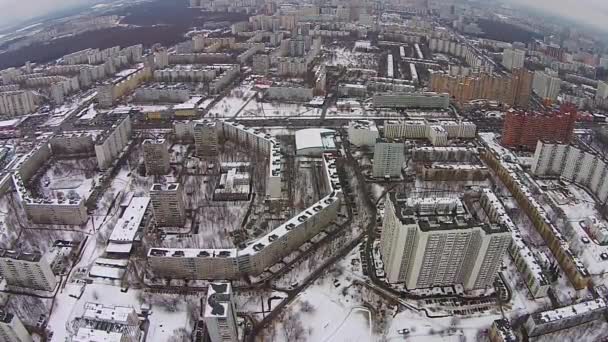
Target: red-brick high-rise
column 524, row 129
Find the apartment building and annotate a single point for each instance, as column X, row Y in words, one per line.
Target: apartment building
column 566, row 317
column 220, row 313
column 574, row 164
column 186, row 73
column 261, row 253
column 517, row 181
column 111, row 143
column 501, row 331
column 31, row 270
column 429, row 242
column 161, row 59
column 513, row 58
column 12, row 329
column 290, row 93
column 19, row 102
column 512, row 90
column 205, row 138
column 389, row 156
column 156, row 156
column 411, row 100
column 162, row 94
column 261, row 64
column 193, row 263
column 547, row 84
column 444, row 154
column 524, row 259
column 437, row 131
column 263, row 144
column 123, row 83
column 168, row 204
column 60, row 210
column 526, row 128
column 362, row 133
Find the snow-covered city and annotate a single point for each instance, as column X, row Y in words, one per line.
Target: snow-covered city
column 326, row 171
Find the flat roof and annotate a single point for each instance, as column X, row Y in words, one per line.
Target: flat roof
column 127, row 226
column 311, row 138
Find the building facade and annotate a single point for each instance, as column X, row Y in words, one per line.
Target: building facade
column 220, row 313
column 156, row 156
column 168, row 204
column 11, row 328
column 389, row 156
column 205, row 138
column 524, row 129
column 428, row 242
column 29, row 270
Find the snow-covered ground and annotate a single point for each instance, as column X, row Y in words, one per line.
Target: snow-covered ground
column 231, row 104
column 255, row 109
column 166, row 316
column 577, row 204
column 67, row 176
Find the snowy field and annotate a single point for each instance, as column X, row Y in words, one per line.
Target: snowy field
column 69, row 176
column 231, row 104
column 169, row 313
column 350, row 58
column 255, row 109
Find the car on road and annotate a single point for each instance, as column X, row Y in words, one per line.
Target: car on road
column 604, row 256
column 585, row 239
column 403, row 331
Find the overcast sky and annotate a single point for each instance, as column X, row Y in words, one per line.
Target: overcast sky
column 593, row 12
column 16, row 11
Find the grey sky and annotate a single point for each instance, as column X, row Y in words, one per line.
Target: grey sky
column 592, row 12
column 16, row 11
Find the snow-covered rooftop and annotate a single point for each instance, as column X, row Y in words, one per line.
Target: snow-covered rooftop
column 128, row 225
column 313, row 138
column 566, row 312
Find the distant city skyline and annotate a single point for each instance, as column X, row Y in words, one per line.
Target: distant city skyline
column 590, row 12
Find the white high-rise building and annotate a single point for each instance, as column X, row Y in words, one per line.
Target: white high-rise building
column 546, row 84
column 156, row 156
column 389, row 156
column 602, row 90
column 161, row 59
column 110, row 144
column 220, row 313
column 18, row 102
column 11, row 329
column 168, row 204
column 29, row 270
column 513, row 58
column 428, row 242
